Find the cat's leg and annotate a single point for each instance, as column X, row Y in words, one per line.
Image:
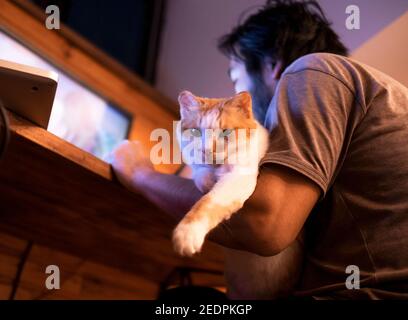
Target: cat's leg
column 226, row 197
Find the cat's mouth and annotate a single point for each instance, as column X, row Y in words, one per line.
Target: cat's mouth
column 214, row 158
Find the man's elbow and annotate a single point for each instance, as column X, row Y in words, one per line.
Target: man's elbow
column 268, row 248
column 272, row 239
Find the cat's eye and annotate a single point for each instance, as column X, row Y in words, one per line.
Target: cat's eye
column 195, row 132
column 225, row 133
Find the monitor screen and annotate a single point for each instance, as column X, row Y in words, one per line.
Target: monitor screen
column 78, row 115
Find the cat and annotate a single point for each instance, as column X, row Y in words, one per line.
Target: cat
column 226, row 185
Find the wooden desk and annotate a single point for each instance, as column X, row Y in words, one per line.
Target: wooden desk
column 66, row 199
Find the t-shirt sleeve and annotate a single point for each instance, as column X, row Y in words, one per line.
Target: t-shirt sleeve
column 308, row 119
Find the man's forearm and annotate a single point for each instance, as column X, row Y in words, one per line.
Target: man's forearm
column 173, row 194
column 176, row 195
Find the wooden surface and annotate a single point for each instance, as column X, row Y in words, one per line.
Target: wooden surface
column 11, row 250
column 82, row 61
column 80, row 278
column 65, row 199
column 108, row 242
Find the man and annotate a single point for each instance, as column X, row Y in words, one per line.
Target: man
column 337, row 161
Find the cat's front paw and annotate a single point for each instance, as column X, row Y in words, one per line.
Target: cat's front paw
column 188, row 237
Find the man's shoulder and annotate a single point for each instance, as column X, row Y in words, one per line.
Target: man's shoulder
column 321, row 61
column 360, row 78
column 345, row 69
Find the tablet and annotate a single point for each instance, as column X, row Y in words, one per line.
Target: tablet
column 28, row 91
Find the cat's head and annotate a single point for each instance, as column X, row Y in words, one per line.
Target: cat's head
column 225, row 119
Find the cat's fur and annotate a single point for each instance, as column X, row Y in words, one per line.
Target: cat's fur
column 227, row 187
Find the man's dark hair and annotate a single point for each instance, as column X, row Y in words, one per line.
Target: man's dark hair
column 281, row 30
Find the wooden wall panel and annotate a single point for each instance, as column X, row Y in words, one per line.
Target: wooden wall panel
column 11, row 249
column 108, row 243
column 80, row 278
column 65, row 199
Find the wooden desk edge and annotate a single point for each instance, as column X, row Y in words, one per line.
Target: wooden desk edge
column 46, row 139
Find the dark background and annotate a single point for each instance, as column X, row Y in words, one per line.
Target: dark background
column 127, row 30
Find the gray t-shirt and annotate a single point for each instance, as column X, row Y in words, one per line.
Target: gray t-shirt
column 344, row 125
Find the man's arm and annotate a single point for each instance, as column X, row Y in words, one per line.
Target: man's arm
column 173, row 194
column 273, row 216
column 270, row 220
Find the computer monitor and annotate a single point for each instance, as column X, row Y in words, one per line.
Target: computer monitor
column 79, row 115
column 28, row 91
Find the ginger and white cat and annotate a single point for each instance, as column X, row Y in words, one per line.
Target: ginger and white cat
column 227, row 185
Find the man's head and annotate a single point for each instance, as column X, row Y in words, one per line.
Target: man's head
column 268, row 41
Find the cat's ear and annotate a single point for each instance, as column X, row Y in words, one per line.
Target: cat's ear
column 243, row 102
column 187, row 101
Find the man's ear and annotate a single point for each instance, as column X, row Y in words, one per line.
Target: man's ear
column 272, row 71
column 188, row 102
column 277, row 70
column 242, row 102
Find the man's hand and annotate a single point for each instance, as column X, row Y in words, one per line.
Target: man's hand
column 130, row 164
column 171, row 193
